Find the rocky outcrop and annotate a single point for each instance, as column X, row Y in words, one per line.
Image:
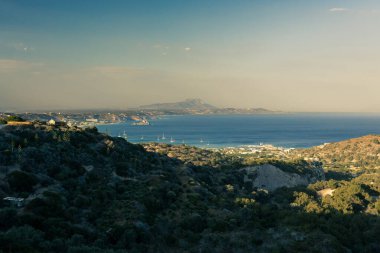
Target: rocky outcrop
column 270, row 178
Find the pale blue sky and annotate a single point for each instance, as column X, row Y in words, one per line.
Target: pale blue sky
column 284, row 55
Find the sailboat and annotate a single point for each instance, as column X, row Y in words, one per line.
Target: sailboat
column 201, row 141
column 163, row 136
column 172, row 140
column 142, row 137
column 125, row 135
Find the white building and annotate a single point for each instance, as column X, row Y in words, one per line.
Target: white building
column 51, row 122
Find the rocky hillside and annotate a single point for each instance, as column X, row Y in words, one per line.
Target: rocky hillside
column 261, row 173
column 357, row 154
column 66, row 189
column 269, row 177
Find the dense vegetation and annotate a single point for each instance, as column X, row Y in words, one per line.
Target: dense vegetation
column 6, row 119
column 87, row 192
column 355, row 155
column 190, row 155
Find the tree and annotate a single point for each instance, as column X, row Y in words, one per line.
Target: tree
column 15, row 118
column 20, row 181
column 21, row 239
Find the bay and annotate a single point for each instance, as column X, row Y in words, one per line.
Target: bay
column 299, row 130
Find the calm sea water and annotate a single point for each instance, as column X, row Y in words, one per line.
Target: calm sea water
column 293, row 131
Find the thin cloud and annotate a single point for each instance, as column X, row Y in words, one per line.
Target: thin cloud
column 338, row 9
column 111, row 70
column 10, row 65
column 163, row 49
column 187, row 49
column 160, row 46
column 17, row 46
column 360, row 12
column 20, row 46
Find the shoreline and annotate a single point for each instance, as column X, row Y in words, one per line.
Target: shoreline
column 286, row 132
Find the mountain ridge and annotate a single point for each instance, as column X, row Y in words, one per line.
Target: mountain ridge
column 188, row 104
column 198, row 106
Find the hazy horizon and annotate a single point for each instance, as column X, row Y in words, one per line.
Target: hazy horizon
column 296, row 56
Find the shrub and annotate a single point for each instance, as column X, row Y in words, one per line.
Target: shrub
column 21, row 182
column 15, row 118
column 21, row 239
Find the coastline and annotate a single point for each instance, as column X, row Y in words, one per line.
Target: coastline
column 222, row 131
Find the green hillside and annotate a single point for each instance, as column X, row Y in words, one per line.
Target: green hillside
column 353, row 155
column 83, row 191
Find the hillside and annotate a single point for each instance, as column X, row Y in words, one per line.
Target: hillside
column 67, row 189
column 188, row 104
column 355, row 155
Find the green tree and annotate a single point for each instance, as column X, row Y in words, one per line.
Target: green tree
column 21, row 239
column 15, row 118
column 20, row 181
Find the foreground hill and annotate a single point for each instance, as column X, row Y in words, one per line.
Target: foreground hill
column 358, row 154
column 66, row 189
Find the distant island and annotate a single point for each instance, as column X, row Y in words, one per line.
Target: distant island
column 139, row 116
column 198, row 106
column 188, row 104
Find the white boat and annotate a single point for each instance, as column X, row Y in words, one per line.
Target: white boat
column 172, row 140
column 201, row 141
column 163, row 136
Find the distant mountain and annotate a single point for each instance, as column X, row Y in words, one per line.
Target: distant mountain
column 244, row 111
column 198, row 106
column 188, row 104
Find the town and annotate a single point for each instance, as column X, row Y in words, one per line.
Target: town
column 84, row 119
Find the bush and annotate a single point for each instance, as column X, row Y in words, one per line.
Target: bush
column 15, row 118
column 7, row 217
column 21, row 182
column 21, row 239
column 194, row 222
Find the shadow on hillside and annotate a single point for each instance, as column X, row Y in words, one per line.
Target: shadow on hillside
column 159, row 204
column 336, row 175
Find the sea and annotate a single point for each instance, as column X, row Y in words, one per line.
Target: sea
column 299, row 130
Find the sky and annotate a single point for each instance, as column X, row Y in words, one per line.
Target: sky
column 289, row 55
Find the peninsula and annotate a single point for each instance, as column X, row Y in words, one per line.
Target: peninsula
column 138, row 116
